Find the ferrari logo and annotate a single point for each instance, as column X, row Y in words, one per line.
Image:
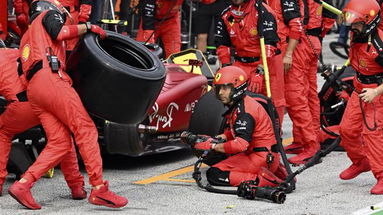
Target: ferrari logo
column 372, row 12
column 362, row 63
column 253, row 31
column 218, row 76
column 241, row 78
column 319, row 11
column 25, row 53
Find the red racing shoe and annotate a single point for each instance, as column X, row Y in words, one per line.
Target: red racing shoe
column 22, row 193
column 308, row 152
column 1, row 189
column 78, row 192
column 355, row 169
column 294, row 148
column 104, row 196
column 378, row 188
column 267, row 178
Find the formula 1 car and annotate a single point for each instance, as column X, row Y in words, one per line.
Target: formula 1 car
column 139, row 104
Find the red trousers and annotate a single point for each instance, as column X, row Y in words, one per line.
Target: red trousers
column 358, row 141
column 276, row 81
column 246, row 167
column 301, row 92
column 61, row 113
column 19, row 117
column 169, row 32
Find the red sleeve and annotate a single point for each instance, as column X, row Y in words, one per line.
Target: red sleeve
column 224, row 54
column 296, row 28
column 327, row 24
column 235, row 146
column 68, row 32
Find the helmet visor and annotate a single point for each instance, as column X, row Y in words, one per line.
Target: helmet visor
column 350, row 17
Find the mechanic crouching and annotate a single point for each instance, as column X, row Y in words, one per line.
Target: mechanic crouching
column 56, row 103
column 250, row 142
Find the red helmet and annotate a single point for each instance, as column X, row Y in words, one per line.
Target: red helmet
column 364, row 11
column 231, row 76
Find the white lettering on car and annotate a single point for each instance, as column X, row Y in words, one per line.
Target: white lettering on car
column 166, row 120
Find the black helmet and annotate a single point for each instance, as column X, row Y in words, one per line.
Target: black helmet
column 40, row 6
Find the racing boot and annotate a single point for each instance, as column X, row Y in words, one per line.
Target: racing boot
column 78, row 192
column 308, row 152
column 22, row 193
column 294, row 148
column 103, row 196
column 378, row 188
column 1, row 189
column 355, row 169
column 266, row 178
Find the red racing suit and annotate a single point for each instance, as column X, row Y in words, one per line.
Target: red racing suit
column 301, row 80
column 249, row 129
column 54, row 100
column 162, row 19
column 357, row 139
column 19, row 117
column 239, row 29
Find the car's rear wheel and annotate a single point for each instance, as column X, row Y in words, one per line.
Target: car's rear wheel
column 123, row 139
column 207, row 119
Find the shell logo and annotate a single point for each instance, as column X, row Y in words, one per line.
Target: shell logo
column 25, row 53
column 217, row 77
column 253, row 31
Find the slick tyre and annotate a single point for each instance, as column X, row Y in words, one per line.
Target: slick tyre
column 117, row 78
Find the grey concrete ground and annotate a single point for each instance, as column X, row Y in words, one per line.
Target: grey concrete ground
column 319, row 190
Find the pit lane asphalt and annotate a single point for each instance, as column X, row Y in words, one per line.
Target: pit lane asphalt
column 319, row 190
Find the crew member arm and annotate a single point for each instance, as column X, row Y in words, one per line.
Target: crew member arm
column 54, row 24
column 243, row 129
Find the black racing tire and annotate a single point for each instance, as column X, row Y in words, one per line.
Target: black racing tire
column 123, row 139
column 207, row 119
column 19, row 159
column 207, row 115
column 117, row 78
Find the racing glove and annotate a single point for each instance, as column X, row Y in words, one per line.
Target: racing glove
column 96, row 29
column 205, row 145
column 85, row 10
column 22, row 21
column 256, row 83
column 147, row 34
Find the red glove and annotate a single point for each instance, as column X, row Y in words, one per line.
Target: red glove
column 85, row 10
column 18, row 5
column 98, row 30
column 147, row 34
column 204, row 146
column 256, row 83
column 22, row 21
